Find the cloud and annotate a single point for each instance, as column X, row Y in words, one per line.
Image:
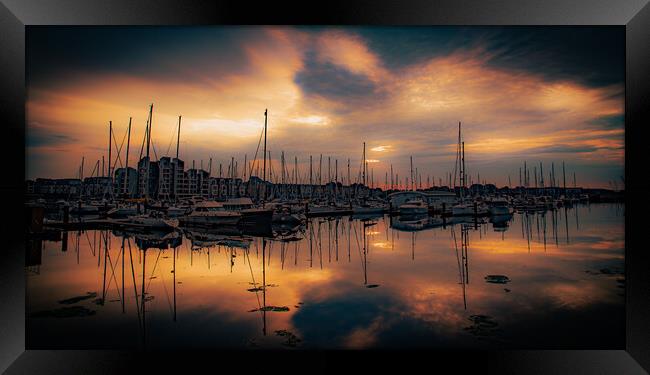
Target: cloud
column 400, row 90
column 39, row 136
column 335, row 83
column 615, row 121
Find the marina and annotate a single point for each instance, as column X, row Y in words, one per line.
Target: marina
column 336, row 282
column 330, row 187
column 275, row 262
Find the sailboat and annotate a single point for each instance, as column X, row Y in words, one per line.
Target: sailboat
column 210, row 213
column 464, row 207
column 499, row 206
column 365, row 255
column 414, row 207
column 154, row 220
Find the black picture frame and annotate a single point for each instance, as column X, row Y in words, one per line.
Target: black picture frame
column 634, row 15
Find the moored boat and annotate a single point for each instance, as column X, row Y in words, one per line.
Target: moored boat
column 209, row 213
column 153, row 221
column 414, row 207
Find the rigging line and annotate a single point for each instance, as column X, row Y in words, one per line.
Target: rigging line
column 363, row 266
column 154, row 268
column 453, row 233
column 143, row 139
column 92, row 250
column 95, row 168
column 162, row 279
column 253, row 278
column 154, row 150
column 320, row 246
column 119, row 150
column 108, row 254
column 135, row 287
column 255, row 161
column 169, row 147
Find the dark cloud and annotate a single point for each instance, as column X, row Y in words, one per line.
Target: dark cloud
column 592, row 55
column 55, row 54
column 37, row 136
column 609, row 122
column 563, row 148
column 334, row 83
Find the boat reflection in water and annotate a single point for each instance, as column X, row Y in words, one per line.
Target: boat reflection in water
column 410, row 223
column 500, row 223
column 527, row 280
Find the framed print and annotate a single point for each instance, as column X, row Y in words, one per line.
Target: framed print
column 379, row 185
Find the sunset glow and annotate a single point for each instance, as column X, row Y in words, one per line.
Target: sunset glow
column 327, row 90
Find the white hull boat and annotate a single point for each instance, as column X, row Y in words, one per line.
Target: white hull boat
column 210, row 214
column 413, row 208
column 154, row 222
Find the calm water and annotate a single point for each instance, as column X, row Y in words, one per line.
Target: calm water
column 409, row 288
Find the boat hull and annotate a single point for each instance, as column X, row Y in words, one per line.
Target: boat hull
column 328, row 211
column 256, row 216
column 209, row 221
column 499, row 210
column 413, row 210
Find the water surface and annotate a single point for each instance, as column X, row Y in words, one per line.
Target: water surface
column 330, row 286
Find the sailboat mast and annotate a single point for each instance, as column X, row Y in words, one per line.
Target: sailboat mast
column 349, row 182
column 264, row 172
column 110, row 143
column 126, row 168
column 178, row 136
column 554, row 184
column 148, row 131
column 364, row 164
column 463, row 166
column 525, row 175
column 412, row 186
column 146, row 186
column 564, row 177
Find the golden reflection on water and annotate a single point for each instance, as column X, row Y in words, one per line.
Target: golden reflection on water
column 342, row 289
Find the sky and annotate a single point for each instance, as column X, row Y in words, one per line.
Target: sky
column 535, row 94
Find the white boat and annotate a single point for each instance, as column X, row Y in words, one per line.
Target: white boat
column 210, row 213
column 249, row 213
column 154, row 221
column 499, row 206
column 413, row 208
column 123, row 211
column 202, row 240
column 415, row 223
